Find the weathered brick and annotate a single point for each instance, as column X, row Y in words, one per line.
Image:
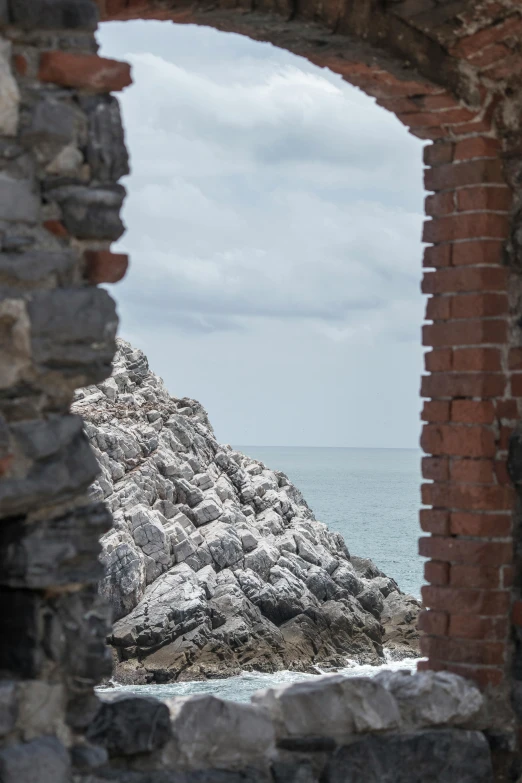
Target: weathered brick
column 438, row 360
column 516, row 384
column 487, row 577
column 102, row 266
column 477, row 147
column 435, row 468
column 483, row 305
column 477, row 251
column 84, row 71
column 463, row 651
column 459, row 550
column 56, row 227
column 515, row 359
column 458, row 440
column 465, row 332
column 459, row 600
column 436, row 411
column 440, row 203
column 506, row 432
column 488, row 225
column 437, row 256
column 465, row 280
column 436, row 572
column 507, row 576
column 433, row 623
column 477, row 199
column 468, row 497
column 21, row 64
column 434, row 521
column 474, row 524
column 490, row 34
column 516, row 613
column 472, row 411
column 436, row 119
column 476, row 471
column 506, row 409
column 501, row 472
column 486, row 628
column 476, row 360
column 458, row 175
column 489, row 56
column 438, row 308
column 439, row 153
column 454, row 384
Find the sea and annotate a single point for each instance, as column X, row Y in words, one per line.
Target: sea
column 371, row 497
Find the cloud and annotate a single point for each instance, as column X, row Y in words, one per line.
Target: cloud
column 270, row 205
column 250, row 197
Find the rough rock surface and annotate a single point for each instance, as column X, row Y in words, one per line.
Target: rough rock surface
column 215, row 563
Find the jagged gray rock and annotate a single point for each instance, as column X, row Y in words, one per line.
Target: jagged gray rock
column 215, row 563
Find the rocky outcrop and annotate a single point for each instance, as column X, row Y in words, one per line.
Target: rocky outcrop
column 215, row 563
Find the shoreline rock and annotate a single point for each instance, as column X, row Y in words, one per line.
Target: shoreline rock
column 216, row 564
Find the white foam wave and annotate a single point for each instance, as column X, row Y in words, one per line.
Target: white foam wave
column 241, row 687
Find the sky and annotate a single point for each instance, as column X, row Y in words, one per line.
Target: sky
column 274, row 220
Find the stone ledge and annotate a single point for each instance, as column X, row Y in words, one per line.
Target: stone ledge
column 332, row 729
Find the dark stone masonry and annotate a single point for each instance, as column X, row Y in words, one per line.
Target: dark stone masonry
column 451, row 71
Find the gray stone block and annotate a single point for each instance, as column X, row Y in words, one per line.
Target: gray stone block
column 40, row 761
column 57, row 551
column 37, row 268
column 445, row 756
column 58, row 463
column 18, row 200
column 128, row 725
column 55, row 14
column 434, row 699
column 106, row 152
column 330, row 706
column 74, row 328
column 49, row 122
column 91, row 213
column 75, row 627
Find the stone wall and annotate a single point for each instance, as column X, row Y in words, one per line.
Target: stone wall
column 451, row 71
column 395, row 728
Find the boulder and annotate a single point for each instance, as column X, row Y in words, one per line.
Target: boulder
column 129, row 725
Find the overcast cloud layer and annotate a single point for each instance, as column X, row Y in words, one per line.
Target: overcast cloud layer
column 274, row 218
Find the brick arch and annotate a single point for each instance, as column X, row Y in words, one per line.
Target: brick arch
column 451, row 71
column 450, row 79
